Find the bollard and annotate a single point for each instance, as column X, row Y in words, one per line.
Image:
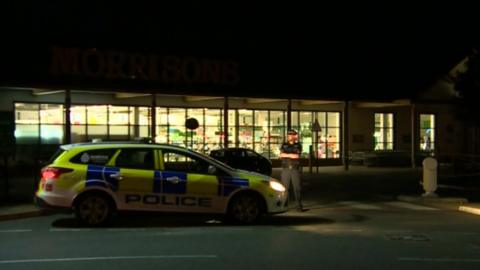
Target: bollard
column 430, row 177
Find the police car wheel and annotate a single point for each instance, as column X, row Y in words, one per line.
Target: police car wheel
column 244, row 209
column 93, row 210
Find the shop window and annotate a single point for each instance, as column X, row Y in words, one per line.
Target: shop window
column 196, row 138
column 97, row 115
column 162, row 125
column 51, row 114
column 305, row 132
column 261, row 132
column 51, row 134
column 78, row 115
column 427, row 132
column 213, row 130
column 27, row 113
column 384, row 130
column 26, row 134
column 277, row 133
column 118, row 115
column 245, row 128
column 177, row 130
column 232, row 128
column 295, row 120
column 329, row 143
column 119, row 132
column 39, row 123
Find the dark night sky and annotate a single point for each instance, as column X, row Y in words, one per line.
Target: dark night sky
column 356, row 50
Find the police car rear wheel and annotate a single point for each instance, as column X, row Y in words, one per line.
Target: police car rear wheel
column 93, row 210
column 245, row 209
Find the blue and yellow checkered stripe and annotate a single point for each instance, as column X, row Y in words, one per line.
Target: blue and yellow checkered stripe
column 192, row 183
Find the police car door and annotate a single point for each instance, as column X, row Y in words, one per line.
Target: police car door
column 185, row 183
column 136, row 175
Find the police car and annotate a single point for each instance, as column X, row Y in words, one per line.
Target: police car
column 97, row 179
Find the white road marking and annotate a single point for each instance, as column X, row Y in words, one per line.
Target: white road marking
column 439, row 260
column 410, row 206
column 69, row 230
column 110, row 258
column 126, row 230
column 14, row 231
column 361, row 206
column 233, row 229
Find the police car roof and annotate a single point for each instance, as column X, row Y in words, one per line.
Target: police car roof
column 119, row 143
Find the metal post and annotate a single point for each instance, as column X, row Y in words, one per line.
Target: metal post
column 316, row 150
column 237, row 129
column 289, row 115
column 7, row 182
column 346, row 134
column 225, row 122
column 310, row 154
column 68, row 126
column 153, row 113
column 413, row 137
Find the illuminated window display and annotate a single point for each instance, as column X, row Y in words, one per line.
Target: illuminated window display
column 196, row 138
column 118, row 122
column 97, row 122
column 232, row 128
column 261, row 133
column 44, row 123
column 162, row 125
column 384, row 129
column 329, row 136
column 260, row 130
column 427, row 132
column 213, row 129
column 277, row 124
column 78, row 119
column 177, row 130
column 305, row 132
column 51, row 123
column 245, row 128
column 27, row 118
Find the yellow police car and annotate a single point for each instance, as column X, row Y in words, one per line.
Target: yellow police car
column 97, row 179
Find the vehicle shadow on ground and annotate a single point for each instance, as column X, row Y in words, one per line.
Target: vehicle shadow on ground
column 155, row 220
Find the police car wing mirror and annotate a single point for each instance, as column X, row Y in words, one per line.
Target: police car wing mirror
column 212, row 169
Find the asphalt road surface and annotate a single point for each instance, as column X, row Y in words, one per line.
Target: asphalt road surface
column 340, row 235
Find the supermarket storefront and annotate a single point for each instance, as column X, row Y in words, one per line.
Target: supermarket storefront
column 258, row 124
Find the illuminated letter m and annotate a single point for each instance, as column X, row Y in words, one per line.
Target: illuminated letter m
column 64, row 61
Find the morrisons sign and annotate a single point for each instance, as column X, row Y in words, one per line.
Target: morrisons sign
column 116, row 65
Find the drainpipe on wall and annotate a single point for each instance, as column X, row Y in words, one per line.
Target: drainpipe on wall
column 153, row 113
column 413, row 137
column 225, row 122
column 68, row 126
column 289, row 115
column 346, row 133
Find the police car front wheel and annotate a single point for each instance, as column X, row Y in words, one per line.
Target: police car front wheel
column 93, row 209
column 245, row 209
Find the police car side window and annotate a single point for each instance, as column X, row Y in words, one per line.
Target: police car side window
column 135, row 158
column 94, row 157
column 180, row 162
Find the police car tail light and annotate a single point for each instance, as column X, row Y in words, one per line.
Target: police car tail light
column 277, row 186
column 54, row 172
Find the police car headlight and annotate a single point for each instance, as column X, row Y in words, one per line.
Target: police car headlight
column 277, row 186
